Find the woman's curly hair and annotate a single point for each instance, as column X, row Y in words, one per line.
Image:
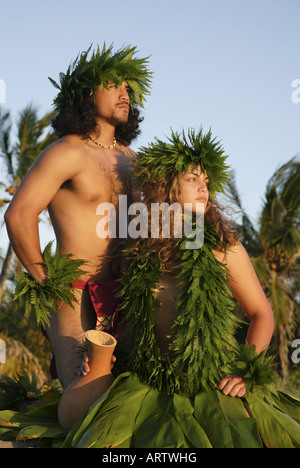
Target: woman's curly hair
column 81, row 119
column 166, row 190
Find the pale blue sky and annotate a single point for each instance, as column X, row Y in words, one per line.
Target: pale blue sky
column 224, row 64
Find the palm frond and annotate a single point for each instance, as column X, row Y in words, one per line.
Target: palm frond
column 17, row 389
column 6, row 150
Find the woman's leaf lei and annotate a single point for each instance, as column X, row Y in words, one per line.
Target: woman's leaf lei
column 43, row 298
column 203, row 335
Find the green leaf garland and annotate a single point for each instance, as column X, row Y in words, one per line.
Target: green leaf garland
column 85, row 74
column 202, row 339
column 256, row 369
column 43, row 298
column 162, row 159
column 203, row 345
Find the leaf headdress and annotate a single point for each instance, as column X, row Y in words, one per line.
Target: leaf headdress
column 162, row 159
column 84, row 74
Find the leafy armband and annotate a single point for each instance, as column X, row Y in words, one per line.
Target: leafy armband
column 256, row 368
column 43, row 298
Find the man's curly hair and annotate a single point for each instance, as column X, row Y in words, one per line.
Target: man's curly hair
column 81, row 119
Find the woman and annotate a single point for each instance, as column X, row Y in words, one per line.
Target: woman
column 178, row 363
column 192, row 186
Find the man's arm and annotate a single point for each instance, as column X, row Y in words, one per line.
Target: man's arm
column 57, row 164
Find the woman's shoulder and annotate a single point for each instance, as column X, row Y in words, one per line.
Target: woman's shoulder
column 233, row 254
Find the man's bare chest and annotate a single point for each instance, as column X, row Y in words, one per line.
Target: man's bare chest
column 101, row 180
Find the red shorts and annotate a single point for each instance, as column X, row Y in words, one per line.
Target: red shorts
column 105, row 302
column 102, row 294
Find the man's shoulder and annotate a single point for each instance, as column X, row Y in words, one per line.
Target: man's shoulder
column 67, row 149
column 69, row 143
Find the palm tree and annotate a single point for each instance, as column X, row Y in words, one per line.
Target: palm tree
column 274, row 247
column 32, row 139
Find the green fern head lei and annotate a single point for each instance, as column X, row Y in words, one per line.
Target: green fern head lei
column 86, row 73
column 161, row 159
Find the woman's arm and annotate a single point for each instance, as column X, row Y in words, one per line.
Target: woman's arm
column 251, row 297
column 249, row 293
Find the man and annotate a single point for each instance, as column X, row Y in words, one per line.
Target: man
column 97, row 118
